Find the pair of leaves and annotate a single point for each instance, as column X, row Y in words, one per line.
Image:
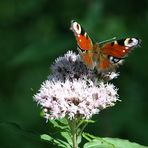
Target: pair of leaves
column 58, row 142
column 61, row 143
column 65, row 140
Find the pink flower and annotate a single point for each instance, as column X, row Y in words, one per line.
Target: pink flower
column 73, row 90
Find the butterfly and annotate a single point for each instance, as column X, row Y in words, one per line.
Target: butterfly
column 106, row 57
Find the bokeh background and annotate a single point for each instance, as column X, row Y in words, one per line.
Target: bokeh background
column 35, row 32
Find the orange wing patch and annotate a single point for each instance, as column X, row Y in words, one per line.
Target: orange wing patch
column 104, row 64
column 88, row 59
column 115, row 50
column 84, row 42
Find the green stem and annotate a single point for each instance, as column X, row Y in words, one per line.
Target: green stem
column 74, row 138
column 73, row 127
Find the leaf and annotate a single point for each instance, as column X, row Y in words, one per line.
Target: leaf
column 97, row 144
column 112, row 143
column 89, row 121
column 59, row 124
column 63, row 126
column 63, row 121
column 79, row 139
column 67, row 136
column 58, row 142
column 46, row 137
column 63, row 143
column 120, row 143
column 86, row 137
column 96, row 141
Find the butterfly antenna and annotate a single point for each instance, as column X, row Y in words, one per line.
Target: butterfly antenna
column 109, row 40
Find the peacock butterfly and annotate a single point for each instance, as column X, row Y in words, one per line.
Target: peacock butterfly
column 104, row 57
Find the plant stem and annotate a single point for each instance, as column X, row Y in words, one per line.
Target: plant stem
column 73, row 127
column 74, row 139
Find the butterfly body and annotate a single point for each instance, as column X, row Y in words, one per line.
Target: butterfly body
column 104, row 57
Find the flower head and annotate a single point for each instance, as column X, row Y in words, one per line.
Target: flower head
column 71, row 67
column 73, row 90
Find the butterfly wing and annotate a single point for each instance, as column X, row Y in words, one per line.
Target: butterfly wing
column 120, row 48
column 112, row 54
column 84, row 43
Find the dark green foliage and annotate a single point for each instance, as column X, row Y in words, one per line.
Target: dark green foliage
column 34, row 32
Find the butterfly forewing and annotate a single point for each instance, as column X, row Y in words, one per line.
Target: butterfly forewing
column 85, row 44
column 112, row 54
column 83, row 40
column 120, row 48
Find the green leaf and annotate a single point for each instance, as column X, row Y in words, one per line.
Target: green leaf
column 46, row 137
column 112, row 143
column 89, row 121
column 58, row 142
column 86, row 137
column 79, row 139
column 59, row 124
column 67, row 136
column 95, row 141
column 63, row 121
column 62, row 143
column 120, row 143
column 97, row 144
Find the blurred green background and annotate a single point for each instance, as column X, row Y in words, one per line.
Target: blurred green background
column 35, row 32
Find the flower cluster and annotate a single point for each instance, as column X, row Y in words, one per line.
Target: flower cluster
column 71, row 67
column 72, row 90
